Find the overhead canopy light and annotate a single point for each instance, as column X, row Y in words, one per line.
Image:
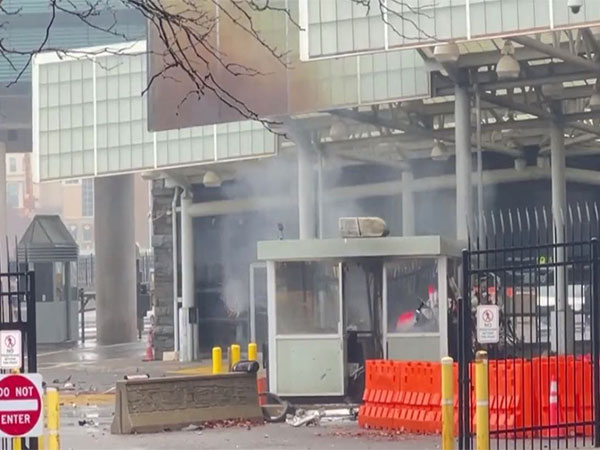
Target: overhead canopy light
column 439, row 152
column 211, row 179
column 446, row 53
column 508, row 68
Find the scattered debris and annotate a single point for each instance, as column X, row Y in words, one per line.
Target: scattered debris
column 69, row 387
column 66, row 380
column 303, row 417
column 86, row 422
column 317, row 416
column 192, row 427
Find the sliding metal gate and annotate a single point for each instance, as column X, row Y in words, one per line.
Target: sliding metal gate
column 543, row 372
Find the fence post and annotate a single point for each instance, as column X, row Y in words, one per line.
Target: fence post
column 53, row 418
column 482, row 401
column 217, row 360
column 447, row 404
column 595, row 339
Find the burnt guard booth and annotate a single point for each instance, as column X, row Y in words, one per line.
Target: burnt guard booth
column 333, row 303
column 48, row 247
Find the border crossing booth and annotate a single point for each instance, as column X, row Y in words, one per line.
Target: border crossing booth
column 49, row 249
column 334, row 303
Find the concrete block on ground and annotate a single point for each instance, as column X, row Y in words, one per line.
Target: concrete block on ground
column 172, row 403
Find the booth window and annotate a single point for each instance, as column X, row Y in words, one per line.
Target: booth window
column 307, row 298
column 412, row 296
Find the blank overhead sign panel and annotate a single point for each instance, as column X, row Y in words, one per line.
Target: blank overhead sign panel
column 331, row 28
column 90, row 119
column 284, row 86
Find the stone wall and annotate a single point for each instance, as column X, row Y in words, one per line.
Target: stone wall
column 162, row 244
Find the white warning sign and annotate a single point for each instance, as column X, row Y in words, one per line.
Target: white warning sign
column 488, row 324
column 10, row 349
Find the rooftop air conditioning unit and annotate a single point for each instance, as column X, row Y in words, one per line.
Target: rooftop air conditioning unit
column 357, row 227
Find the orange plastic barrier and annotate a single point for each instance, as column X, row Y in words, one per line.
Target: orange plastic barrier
column 406, row 395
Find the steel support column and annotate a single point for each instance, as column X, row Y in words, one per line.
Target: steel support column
column 114, row 235
column 3, row 205
column 464, row 188
column 188, row 337
column 561, row 324
column 307, row 183
column 408, row 204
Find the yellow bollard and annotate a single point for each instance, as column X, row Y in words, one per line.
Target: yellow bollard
column 235, row 354
column 53, row 419
column 217, row 360
column 482, row 399
column 447, row 404
column 252, row 352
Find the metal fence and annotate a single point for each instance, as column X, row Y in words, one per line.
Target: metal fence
column 86, row 270
column 540, row 279
column 17, row 312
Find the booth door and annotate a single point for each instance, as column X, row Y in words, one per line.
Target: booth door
column 306, row 355
column 258, row 306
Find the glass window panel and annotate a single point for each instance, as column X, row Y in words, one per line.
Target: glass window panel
column 76, row 70
column 76, row 91
column 113, row 111
column 125, row 157
column 137, row 133
column 65, row 117
column 77, row 116
column 101, row 89
column 102, row 137
column 88, row 138
column 65, row 93
column 88, row 91
column 114, row 159
column 307, row 298
column 88, row 114
column 125, row 133
column 53, row 142
column 64, row 72
column 137, row 156
column 88, row 162
column 53, row 166
column 124, row 87
column 53, row 119
column 112, row 87
column 162, row 153
column 77, row 139
column 77, row 167
column 53, row 94
column 329, row 40
column 412, row 283
column 185, row 151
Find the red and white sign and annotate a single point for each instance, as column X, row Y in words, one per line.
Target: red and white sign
column 21, row 405
column 11, row 343
column 488, row 324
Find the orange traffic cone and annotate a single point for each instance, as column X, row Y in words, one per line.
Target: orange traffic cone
column 553, row 411
column 149, row 349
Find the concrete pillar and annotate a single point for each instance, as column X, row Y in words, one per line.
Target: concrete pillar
column 188, row 335
column 562, row 339
column 307, row 184
column 408, row 204
column 114, row 230
column 3, row 206
column 464, row 188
